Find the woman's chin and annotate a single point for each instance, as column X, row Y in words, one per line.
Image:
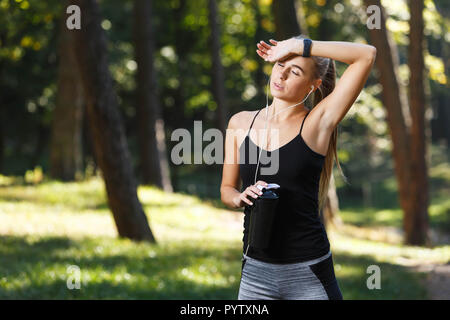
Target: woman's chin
column 278, row 95
column 276, row 92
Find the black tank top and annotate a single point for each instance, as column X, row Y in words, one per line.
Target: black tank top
column 298, row 233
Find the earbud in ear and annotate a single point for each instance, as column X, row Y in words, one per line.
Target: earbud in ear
column 312, row 86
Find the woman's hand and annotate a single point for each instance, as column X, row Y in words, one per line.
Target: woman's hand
column 279, row 49
column 252, row 191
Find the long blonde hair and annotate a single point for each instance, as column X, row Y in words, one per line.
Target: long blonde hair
column 325, row 69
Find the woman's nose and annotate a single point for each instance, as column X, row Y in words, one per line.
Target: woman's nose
column 283, row 74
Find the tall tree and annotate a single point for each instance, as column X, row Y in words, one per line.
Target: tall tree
column 285, row 17
column 151, row 136
column 2, row 106
column 65, row 148
column 399, row 123
column 182, row 46
column 108, row 135
column 416, row 223
column 218, row 82
column 260, row 78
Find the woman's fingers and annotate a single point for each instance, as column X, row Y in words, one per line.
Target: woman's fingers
column 265, row 45
column 260, row 182
column 252, row 192
column 248, row 201
column 260, row 53
column 265, row 50
column 245, row 198
column 255, row 190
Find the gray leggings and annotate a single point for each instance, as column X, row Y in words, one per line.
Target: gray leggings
column 309, row 280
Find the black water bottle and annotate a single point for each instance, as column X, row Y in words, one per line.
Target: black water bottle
column 261, row 219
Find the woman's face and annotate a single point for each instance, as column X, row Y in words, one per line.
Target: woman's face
column 291, row 78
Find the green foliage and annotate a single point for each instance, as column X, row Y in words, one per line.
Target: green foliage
column 28, row 65
column 29, row 56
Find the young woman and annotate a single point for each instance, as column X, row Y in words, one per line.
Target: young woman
column 298, row 262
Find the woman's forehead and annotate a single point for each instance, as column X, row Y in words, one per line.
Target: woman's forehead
column 303, row 62
column 296, row 59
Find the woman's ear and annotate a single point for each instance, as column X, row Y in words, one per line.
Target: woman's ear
column 317, row 83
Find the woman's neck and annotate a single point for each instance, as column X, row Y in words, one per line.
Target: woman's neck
column 279, row 110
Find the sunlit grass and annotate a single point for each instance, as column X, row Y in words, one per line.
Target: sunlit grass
column 48, row 227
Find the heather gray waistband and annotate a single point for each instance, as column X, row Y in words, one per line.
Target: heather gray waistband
column 295, row 264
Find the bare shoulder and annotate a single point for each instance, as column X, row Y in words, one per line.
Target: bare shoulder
column 239, row 124
column 241, row 120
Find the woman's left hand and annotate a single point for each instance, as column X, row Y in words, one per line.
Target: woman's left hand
column 278, row 50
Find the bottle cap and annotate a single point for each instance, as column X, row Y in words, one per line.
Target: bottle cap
column 269, row 186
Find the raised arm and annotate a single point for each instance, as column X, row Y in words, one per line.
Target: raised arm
column 359, row 57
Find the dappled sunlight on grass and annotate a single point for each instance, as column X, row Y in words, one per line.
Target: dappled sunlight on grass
column 54, row 208
column 397, row 282
column 26, row 219
column 111, row 268
column 72, row 196
column 439, row 212
column 46, row 228
column 371, row 216
column 385, row 252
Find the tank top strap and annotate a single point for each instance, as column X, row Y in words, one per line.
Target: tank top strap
column 251, row 125
column 301, row 128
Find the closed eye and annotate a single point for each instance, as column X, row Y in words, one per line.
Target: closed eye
column 297, row 74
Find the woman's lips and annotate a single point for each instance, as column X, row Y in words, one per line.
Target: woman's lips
column 277, row 86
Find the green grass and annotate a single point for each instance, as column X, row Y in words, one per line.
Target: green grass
column 46, row 228
column 37, row 267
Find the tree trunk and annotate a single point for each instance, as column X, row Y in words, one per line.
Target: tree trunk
column 42, row 136
column 326, row 24
column 398, row 117
column 260, row 77
column 65, row 148
column 2, row 138
column 387, row 63
column 108, row 135
column 416, row 223
column 218, row 82
column 2, row 108
column 151, row 135
column 285, row 17
column 300, row 12
column 181, row 46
